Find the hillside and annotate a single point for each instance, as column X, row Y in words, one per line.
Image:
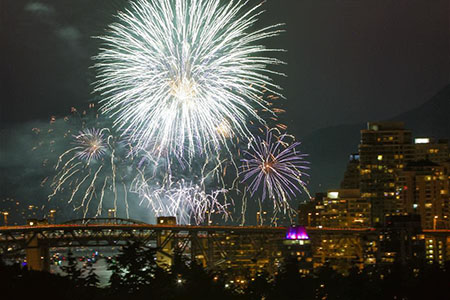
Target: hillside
column 329, row 148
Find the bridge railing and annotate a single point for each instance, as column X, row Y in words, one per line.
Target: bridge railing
column 115, row 221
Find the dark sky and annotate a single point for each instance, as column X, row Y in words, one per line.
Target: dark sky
column 348, row 60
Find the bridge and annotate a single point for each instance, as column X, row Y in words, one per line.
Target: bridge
column 214, row 246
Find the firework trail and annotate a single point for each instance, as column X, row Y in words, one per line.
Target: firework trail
column 180, row 76
column 91, row 170
column 184, row 200
column 95, row 171
column 276, row 168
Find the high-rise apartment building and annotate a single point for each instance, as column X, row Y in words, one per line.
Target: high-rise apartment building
column 391, row 175
column 309, row 212
column 424, row 189
column 435, row 150
column 385, row 149
column 344, row 208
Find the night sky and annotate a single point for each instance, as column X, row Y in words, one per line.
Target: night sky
column 347, row 60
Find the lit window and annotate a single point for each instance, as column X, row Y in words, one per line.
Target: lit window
column 333, row 195
column 421, row 140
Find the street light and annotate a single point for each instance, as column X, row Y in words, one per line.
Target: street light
column 5, row 218
column 111, row 213
column 179, row 279
column 52, row 215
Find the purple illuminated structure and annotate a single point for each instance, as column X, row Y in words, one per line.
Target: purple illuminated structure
column 297, row 233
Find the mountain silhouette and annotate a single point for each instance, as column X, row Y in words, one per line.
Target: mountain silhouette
column 329, row 148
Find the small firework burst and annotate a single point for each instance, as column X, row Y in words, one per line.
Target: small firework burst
column 91, row 168
column 91, row 143
column 275, row 167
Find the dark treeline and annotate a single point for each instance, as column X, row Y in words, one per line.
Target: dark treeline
column 136, row 275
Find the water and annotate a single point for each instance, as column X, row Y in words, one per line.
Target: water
column 99, row 258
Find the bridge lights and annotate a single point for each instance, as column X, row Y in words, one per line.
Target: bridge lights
column 111, row 213
column 52, row 216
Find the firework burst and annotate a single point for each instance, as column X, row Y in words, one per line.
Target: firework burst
column 180, row 76
column 185, row 200
column 90, row 144
column 275, row 167
column 92, row 171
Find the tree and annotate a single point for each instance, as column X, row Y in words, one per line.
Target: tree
column 287, row 281
column 91, row 279
column 259, row 286
column 73, row 272
column 133, row 268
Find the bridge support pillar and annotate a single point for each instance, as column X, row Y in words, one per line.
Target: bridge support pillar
column 165, row 243
column 164, row 254
column 209, row 262
column 38, row 255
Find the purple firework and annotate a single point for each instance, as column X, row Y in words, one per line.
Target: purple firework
column 274, row 166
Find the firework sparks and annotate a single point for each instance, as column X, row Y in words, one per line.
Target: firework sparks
column 182, row 199
column 91, row 144
column 276, row 168
column 90, row 171
column 180, row 76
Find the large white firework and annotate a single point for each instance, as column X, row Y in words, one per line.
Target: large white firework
column 181, row 76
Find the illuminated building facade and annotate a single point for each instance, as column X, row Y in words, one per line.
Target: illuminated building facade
column 297, row 244
column 343, row 208
column 437, row 248
column 400, row 239
column 15, row 212
column 385, row 149
column 435, row 150
column 423, row 189
column 343, row 250
column 308, row 212
column 395, row 184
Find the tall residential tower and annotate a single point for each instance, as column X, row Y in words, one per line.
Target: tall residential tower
column 385, row 149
